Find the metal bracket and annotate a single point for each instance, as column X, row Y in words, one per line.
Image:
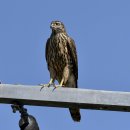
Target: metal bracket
column 24, row 115
column 27, row 122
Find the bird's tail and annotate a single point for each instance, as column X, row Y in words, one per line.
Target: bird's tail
column 75, row 114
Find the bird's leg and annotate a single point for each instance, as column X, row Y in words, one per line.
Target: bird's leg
column 48, row 85
column 65, row 77
column 60, row 85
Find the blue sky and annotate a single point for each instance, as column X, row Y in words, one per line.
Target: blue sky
column 101, row 30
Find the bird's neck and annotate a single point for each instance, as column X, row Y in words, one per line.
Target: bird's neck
column 55, row 33
column 59, row 35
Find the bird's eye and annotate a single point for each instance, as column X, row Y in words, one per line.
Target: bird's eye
column 57, row 23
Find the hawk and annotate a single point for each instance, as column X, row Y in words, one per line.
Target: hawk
column 61, row 57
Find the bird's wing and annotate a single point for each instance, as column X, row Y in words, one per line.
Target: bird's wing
column 46, row 49
column 73, row 54
column 47, row 52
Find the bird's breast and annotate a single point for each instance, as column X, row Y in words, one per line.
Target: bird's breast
column 58, row 52
column 59, row 44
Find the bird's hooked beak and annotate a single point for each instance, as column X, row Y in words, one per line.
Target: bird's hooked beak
column 52, row 26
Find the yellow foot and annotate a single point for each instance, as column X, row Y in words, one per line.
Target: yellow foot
column 46, row 85
column 57, row 86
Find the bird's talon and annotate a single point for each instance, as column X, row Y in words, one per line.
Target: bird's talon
column 46, row 85
column 42, row 87
column 57, row 86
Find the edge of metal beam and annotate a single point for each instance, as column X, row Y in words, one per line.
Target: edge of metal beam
column 65, row 97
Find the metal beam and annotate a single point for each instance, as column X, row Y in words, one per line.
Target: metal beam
column 65, row 97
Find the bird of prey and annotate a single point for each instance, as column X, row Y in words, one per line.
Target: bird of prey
column 61, row 57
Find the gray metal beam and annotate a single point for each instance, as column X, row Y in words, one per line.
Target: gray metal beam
column 65, row 97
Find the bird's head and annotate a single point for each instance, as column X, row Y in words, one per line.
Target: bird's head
column 57, row 27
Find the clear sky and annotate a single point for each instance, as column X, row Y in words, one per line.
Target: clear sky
column 101, row 30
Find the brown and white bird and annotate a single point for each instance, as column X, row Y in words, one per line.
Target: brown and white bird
column 61, row 57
